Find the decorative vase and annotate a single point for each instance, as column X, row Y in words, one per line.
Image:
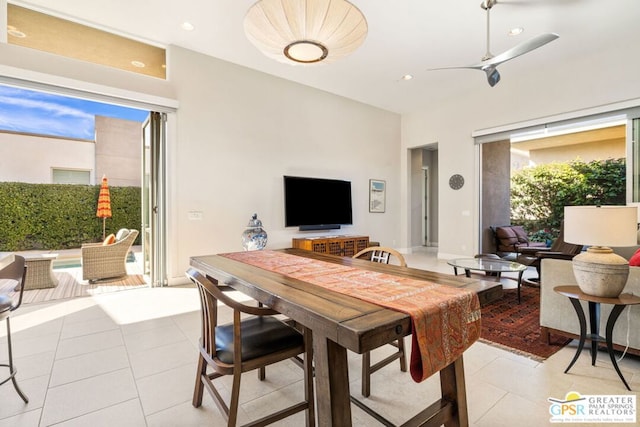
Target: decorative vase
column 600, row 272
column 254, row 237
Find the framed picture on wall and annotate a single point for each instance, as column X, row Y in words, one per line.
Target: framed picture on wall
column 377, row 195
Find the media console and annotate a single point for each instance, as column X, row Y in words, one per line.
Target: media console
column 334, row 245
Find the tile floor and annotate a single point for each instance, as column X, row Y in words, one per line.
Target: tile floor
column 129, row 359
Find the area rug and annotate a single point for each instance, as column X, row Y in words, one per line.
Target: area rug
column 516, row 327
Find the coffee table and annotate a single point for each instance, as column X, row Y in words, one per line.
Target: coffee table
column 488, row 265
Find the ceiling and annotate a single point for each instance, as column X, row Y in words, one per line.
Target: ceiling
column 405, row 37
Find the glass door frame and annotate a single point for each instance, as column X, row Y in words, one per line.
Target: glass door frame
column 154, row 199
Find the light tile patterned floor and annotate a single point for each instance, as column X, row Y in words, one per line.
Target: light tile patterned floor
column 128, row 359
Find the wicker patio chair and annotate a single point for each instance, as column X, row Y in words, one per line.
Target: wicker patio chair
column 106, row 261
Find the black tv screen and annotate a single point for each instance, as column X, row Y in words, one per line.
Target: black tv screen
column 316, row 203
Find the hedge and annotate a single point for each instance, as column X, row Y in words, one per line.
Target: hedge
column 539, row 194
column 61, row 216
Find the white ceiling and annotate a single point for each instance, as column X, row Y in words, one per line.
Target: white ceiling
column 405, row 37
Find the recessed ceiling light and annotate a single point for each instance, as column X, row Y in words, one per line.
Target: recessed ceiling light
column 406, row 77
column 138, row 64
column 14, row 32
column 516, row 31
column 188, row 26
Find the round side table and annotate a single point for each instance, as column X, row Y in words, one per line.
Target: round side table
column 575, row 295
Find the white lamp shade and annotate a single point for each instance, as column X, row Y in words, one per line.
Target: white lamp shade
column 601, row 225
column 305, row 31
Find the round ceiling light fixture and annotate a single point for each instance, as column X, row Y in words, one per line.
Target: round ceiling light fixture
column 305, row 31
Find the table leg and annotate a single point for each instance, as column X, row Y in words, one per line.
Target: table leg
column 467, row 272
column 594, row 327
column 611, row 322
column 454, row 390
column 455, row 271
column 332, row 383
column 519, row 283
column 583, row 330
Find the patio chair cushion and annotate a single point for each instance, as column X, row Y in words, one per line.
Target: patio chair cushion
column 110, row 240
column 507, row 236
column 520, row 233
column 122, row 234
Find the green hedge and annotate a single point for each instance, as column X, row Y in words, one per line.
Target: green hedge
column 539, row 194
column 61, row 216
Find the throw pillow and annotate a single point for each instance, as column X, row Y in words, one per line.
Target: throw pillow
column 520, row 234
column 111, row 239
column 634, row 261
column 506, row 236
column 122, row 234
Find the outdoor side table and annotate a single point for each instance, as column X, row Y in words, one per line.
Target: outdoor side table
column 575, row 295
column 40, row 272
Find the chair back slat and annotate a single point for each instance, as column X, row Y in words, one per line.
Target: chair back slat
column 381, row 254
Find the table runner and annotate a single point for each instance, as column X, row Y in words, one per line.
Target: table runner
column 445, row 320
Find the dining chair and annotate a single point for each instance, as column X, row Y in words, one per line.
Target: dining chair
column 383, row 255
column 12, row 268
column 252, row 341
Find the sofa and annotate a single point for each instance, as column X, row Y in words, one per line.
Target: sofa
column 557, row 315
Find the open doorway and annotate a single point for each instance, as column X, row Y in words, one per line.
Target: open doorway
column 50, row 138
column 424, row 196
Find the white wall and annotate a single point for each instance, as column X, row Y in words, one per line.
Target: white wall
column 30, row 158
column 606, row 77
column 239, row 131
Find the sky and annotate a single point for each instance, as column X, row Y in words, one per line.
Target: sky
column 43, row 113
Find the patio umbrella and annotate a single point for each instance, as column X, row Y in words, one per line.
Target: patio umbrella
column 104, row 204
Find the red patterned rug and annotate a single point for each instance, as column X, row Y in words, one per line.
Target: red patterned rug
column 517, row 326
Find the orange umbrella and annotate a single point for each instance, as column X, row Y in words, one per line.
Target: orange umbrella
column 104, row 204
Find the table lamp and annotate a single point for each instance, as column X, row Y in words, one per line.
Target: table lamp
column 599, row 271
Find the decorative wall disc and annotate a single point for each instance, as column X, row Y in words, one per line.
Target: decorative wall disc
column 456, row 181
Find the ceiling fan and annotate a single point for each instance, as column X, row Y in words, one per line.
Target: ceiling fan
column 490, row 62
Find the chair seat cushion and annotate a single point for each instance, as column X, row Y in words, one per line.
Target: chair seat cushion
column 6, row 304
column 260, row 336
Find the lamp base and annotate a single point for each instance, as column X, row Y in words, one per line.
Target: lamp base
column 600, row 272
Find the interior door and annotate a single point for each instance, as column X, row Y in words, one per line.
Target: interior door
column 154, row 198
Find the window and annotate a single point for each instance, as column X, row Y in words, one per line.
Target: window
column 67, row 176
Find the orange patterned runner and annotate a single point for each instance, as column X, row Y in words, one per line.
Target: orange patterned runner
column 445, row 320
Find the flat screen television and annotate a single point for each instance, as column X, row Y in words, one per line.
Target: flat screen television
column 316, row 203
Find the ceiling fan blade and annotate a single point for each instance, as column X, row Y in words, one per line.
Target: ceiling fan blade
column 518, row 50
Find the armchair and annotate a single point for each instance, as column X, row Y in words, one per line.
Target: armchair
column 559, row 250
column 513, row 239
column 101, row 261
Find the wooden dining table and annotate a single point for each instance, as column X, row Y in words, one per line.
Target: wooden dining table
column 340, row 322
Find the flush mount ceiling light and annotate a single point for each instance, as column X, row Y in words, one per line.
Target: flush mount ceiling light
column 305, row 31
